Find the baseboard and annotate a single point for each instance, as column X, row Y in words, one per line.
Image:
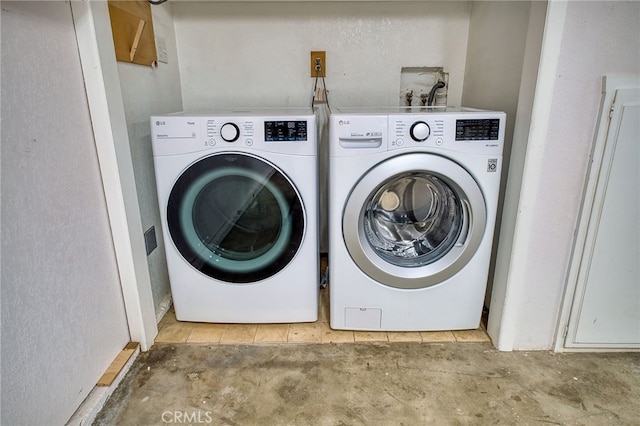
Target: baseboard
column 86, row 414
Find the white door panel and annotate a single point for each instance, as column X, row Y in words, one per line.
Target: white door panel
column 606, row 304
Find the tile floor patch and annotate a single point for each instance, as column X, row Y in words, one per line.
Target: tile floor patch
column 471, row 336
column 437, row 336
column 398, row 336
column 173, row 331
column 370, row 336
column 330, row 335
column 304, row 333
column 206, row 333
column 272, row 333
column 239, row 333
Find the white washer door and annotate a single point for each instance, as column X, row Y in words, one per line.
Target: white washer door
column 235, row 217
column 414, row 220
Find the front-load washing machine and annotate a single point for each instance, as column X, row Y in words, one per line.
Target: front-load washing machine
column 238, row 194
column 413, row 195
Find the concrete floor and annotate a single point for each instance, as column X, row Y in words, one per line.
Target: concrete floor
column 374, row 384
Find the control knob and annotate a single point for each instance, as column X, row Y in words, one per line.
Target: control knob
column 420, row 131
column 229, row 132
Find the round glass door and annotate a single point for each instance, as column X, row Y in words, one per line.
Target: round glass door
column 414, row 220
column 235, row 218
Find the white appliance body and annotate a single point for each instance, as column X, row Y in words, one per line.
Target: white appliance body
column 413, row 195
column 237, row 192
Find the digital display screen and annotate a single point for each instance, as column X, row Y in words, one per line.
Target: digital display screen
column 285, row 131
column 478, row 130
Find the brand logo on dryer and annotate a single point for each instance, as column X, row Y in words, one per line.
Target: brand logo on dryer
column 343, row 122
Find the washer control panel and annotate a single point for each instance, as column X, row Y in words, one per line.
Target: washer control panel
column 479, row 129
column 420, row 131
column 405, row 129
column 461, row 130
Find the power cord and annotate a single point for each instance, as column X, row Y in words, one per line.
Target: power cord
column 324, row 87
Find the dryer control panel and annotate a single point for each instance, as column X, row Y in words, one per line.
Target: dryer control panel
column 181, row 133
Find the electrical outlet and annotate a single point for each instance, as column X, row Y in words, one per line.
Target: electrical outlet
column 318, row 64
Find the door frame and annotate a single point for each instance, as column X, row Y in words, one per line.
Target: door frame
column 106, row 108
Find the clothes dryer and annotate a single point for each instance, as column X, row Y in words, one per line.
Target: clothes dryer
column 413, row 194
column 238, row 201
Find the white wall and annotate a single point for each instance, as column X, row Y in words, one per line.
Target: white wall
column 63, row 318
column 511, row 195
column 598, row 38
column 257, row 54
column 145, row 92
column 495, row 55
column 498, row 35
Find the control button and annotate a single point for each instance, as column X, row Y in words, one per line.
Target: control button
column 249, row 142
column 399, row 142
column 211, row 142
column 229, row 132
column 420, row 131
column 439, row 141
